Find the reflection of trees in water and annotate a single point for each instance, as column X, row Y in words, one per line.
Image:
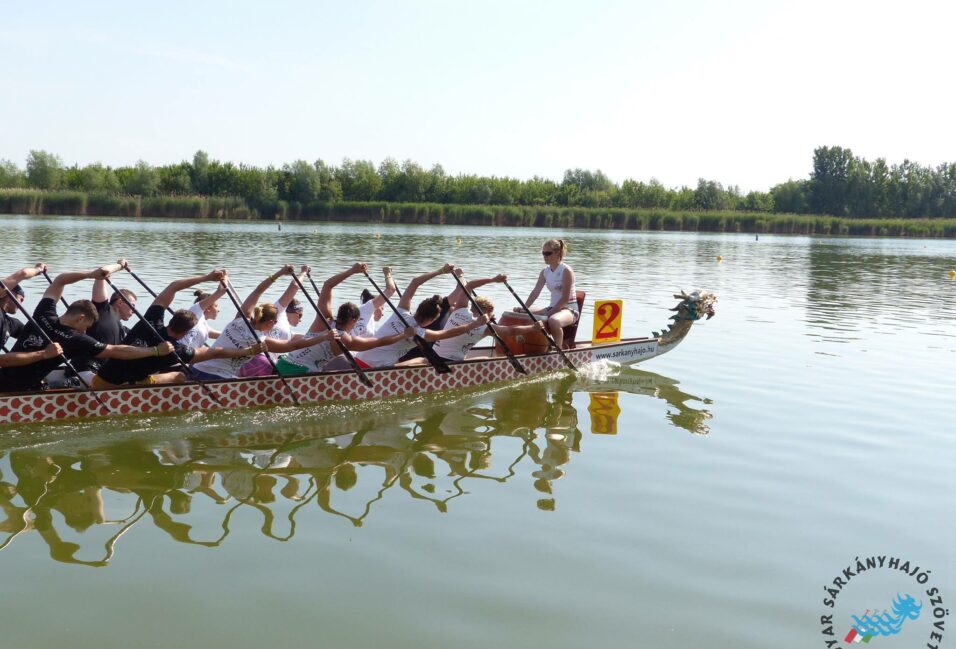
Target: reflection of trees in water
column 430, row 451
column 850, row 287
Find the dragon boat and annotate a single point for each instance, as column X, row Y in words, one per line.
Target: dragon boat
column 482, row 366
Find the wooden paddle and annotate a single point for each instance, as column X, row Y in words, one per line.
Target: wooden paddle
column 471, row 298
column 49, row 341
column 436, row 361
column 547, row 334
column 179, row 358
column 328, row 325
column 230, row 291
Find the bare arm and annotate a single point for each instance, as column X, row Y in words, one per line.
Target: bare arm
column 360, row 344
column 290, row 292
column 131, row 353
column 406, row 301
column 325, row 297
column 23, row 274
column 286, row 346
column 19, row 359
column 55, row 290
column 535, row 291
column 458, row 298
column 100, row 292
column 432, row 336
column 209, row 353
column 205, row 303
column 165, row 297
column 318, row 325
column 250, row 302
column 390, row 289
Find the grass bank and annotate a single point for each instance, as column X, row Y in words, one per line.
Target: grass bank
column 20, row 201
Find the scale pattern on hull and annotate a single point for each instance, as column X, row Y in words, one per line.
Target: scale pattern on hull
column 244, row 393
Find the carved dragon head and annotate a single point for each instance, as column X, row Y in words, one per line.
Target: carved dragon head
column 692, row 307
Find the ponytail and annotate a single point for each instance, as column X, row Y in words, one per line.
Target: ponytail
column 558, row 244
column 200, row 295
column 264, row 312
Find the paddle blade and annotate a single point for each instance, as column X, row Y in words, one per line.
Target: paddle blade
column 432, row 356
column 367, row 382
column 518, row 367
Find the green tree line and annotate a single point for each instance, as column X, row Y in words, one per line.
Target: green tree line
column 840, row 184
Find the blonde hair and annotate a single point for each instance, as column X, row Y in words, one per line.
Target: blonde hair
column 559, row 245
column 484, row 303
column 264, row 312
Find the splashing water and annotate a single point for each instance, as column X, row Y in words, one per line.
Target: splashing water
column 599, row 371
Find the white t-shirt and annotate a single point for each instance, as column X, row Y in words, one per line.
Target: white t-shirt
column 554, row 280
column 455, row 349
column 389, row 354
column 281, row 330
column 196, row 337
column 313, row 357
column 366, row 326
column 235, row 335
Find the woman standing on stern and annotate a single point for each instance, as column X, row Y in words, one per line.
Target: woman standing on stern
column 559, row 278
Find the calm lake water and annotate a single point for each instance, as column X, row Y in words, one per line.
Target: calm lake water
column 808, row 425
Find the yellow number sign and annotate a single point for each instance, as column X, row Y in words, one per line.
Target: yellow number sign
column 604, row 411
column 607, row 321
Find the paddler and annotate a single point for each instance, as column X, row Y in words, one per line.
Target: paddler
column 11, row 327
column 69, row 331
column 264, row 318
column 558, row 277
column 165, row 368
column 427, row 312
column 313, row 359
column 112, row 312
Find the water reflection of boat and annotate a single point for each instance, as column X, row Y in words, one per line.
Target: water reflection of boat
column 80, row 495
column 481, row 367
column 633, row 381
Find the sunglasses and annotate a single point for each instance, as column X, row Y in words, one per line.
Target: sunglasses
column 547, row 253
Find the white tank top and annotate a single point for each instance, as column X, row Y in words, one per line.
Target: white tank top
column 554, row 280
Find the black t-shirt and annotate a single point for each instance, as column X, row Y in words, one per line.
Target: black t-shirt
column 77, row 346
column 107, row 329
column 9, row 328
column 119, row 372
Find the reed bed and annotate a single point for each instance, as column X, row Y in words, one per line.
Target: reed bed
column 26, row 201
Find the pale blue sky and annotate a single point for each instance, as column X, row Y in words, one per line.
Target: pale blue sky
column 739, row 92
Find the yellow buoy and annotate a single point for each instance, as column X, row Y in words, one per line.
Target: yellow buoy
column 458, row 241
column 378, row 235
column 719, row 258
column 952, row 274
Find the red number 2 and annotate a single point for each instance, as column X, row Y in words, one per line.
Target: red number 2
column 609, row 312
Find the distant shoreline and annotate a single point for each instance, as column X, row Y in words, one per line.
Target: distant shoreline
column 71, row 203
